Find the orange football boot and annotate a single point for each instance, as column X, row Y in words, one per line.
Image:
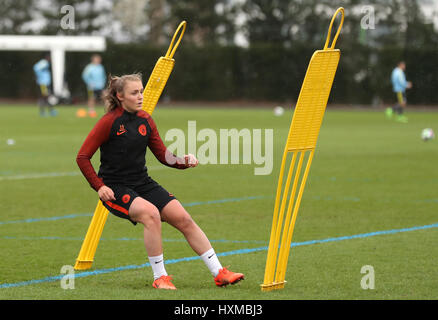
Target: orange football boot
column 164, row 282
column 226, row 277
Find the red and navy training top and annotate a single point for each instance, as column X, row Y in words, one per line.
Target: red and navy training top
column 123, row 138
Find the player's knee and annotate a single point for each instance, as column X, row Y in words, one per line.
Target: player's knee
column 149, row 217
column 185, row 223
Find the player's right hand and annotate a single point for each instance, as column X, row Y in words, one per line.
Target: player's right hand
column 190, row 160
column 106, row 194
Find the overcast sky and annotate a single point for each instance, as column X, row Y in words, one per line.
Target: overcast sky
column 430, row 9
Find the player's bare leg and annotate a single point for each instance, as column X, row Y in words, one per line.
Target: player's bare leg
column 175, row 214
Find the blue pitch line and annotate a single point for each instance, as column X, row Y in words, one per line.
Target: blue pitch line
column 75, row 215
column 30, row 220
column 365, row 235
column 192, row 204
column 124, row 239
column 221, row 254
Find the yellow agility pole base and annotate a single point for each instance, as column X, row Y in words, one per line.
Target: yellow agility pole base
column 298, row 155
column 89, row 246
column 151, row 94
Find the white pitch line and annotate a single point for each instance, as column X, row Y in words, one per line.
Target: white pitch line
column 56, row 174
column 40, row 175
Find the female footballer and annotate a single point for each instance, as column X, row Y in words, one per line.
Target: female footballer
column 126, row 189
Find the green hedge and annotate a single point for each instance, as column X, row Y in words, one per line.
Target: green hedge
column 260, row 73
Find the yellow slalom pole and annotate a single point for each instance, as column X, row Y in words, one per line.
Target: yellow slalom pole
column 287, row 219
column 285, row 249
column 89, row 246
column 151, row 94
column 278, row 221
column 302, row 138
column 270, row 262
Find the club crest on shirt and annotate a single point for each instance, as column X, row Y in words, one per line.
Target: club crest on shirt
column 142, row 129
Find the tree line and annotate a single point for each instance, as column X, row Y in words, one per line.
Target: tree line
column 271, row 34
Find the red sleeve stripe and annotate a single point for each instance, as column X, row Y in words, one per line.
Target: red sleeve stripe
column 98, row 135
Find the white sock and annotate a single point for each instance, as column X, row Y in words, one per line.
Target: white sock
column 212, row 262
column 157, row 264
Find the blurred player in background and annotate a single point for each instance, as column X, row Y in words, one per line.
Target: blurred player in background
column 44, row 80
column 399, row 86
column 95, row 78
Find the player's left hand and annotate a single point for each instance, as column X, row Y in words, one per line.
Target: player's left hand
column 190, row 160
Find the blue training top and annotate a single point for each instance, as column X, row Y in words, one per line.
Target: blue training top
column 42, row 72
column 398, row 80
column 94, row 76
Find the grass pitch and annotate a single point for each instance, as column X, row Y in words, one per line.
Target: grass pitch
column 370, row 200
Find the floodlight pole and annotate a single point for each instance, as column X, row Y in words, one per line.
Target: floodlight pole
column 57, row 45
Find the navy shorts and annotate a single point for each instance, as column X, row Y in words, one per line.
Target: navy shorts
column 96, row 94
column 152, row 192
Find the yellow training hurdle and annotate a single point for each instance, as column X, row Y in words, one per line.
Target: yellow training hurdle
column 300, row 147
